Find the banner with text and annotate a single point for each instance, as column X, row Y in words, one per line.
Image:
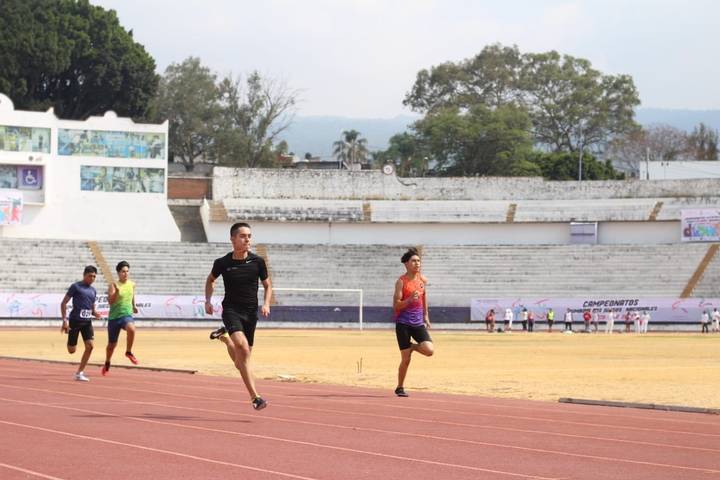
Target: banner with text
column 47, row 305
column 702, row 225
column 667, row 310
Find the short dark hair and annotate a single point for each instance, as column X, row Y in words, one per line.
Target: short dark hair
column 90, row 269
column 122, row 265
column 409, row 254
column 237, row 226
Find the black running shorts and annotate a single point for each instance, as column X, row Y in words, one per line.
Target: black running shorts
column 405, row 332
column 84, row 328
column 242, row 320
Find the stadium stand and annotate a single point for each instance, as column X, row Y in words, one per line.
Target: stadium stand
column 456, row 273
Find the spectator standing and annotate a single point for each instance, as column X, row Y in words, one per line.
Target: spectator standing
column 508, row 320
column 524, row 318
column 550, row 319
column 568, row 321
column 531, row 321
column 704, row 321
column 587, row 316
column 490, row 321
column 610, row 323
column 715, row 320
column 645, row 321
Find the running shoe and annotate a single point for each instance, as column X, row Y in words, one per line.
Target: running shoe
column 258, row 403
column 131, row 357
column 215, row 334
column 400, row 392
column 81, row 377
column 105, row 369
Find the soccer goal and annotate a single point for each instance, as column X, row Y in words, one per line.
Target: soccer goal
column 330, row 307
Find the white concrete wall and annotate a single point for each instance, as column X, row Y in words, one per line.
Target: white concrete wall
column 397, row 234
column 62, row 210
column 374, row 185
column 679, row 170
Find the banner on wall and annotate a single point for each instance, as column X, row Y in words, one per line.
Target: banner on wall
column 96, row 143
column 11, row 204
column 702, row 225
column 661, row 310
column 122, row 179
column 47, row 305
column 24, row 139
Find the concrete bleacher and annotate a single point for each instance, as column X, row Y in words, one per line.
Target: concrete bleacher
column 709, row 284
column 459, row 211
column 456, row 273
column 462, row 272
column 43, row 266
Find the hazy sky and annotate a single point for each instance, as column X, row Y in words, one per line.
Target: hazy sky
column 358, row 58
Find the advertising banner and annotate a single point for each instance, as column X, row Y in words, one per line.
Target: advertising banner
column 96, row 143
column 701, row 225
column 122, row 179
column 11, row 204
column 661, row 310
column 47, row 305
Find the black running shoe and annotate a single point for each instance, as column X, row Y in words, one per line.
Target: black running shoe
column 215, row 334
column 258, row 403
column 400, row 392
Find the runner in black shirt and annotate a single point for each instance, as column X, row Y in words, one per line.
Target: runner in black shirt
column 241, row 270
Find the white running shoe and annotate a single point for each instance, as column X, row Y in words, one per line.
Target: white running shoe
column 80, row 377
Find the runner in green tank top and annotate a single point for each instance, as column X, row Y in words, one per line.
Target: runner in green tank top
column 121, row 297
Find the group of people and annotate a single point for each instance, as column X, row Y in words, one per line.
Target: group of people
column 121, row 297
column 241, row 271
column 591, row 320
column 710, row 320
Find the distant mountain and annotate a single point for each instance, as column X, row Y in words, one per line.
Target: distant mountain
column 682, row 119
column 316, row 134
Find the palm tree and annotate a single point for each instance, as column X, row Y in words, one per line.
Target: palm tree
column 351, row 148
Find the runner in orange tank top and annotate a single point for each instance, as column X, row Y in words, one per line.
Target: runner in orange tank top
column 412, row 320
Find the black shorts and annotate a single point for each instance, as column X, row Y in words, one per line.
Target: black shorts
column 83, row 328
column 240, row 319
column 405, row 332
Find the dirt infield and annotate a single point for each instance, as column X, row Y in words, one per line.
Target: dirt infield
column 675, row 369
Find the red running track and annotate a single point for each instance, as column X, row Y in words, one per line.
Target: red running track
column 136, row 424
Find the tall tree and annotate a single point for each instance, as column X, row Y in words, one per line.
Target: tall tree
column 351, row 148
column 703, row 143
column 254, row 113
column 572, row 105
column 74, row 57
column 189, row 99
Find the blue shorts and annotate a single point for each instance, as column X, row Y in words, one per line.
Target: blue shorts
column 115, row 325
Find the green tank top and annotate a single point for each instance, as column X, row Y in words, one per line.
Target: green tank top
column 123, row 306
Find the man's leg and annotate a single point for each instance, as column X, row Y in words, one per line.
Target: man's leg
column 404, row 364
column 89, row 345
column 229, row 345
column 242, row 352
column 130, row 331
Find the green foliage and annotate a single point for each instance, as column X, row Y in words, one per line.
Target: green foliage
column 74, row 57
column 572, row 106
column 253, row 114
column 190, row 100
column 407, row 153
column 703, row 143
column 564, row 166
column 230, row 122
column 351, row 148
column 480, row 141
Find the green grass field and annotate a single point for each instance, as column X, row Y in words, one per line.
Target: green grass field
column 677, row 369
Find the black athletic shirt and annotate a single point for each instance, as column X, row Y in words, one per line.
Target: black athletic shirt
column 240, row 278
